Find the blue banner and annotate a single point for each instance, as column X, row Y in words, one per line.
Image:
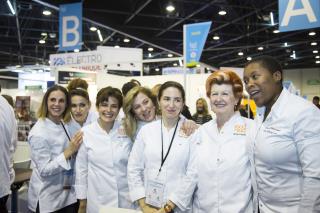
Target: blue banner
column 70, row 26
column 298, row 14
column 195, row 36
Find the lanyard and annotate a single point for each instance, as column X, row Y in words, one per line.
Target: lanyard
column 65, row 131
column 165, row 157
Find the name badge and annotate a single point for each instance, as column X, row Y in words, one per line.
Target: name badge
column 154, row 193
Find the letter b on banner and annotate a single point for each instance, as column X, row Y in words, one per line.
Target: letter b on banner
column 70, row 27
column 298, row 14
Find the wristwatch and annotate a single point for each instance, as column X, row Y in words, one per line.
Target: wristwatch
column 167, row 208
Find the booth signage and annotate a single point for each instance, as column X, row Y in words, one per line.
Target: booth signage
column 195, row 36
column 298, row 14
column 70, row 26
column 89, row 61
column 313, row 82
column 64, row 77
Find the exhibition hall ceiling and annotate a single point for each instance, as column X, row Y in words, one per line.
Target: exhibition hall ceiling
column 244, row 31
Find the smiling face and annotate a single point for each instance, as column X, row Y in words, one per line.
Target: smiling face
column 261, row 84
column 80, row 108
column 171, row 103
column 200, row 106
column 222, row 99
column 56, row 105
column 108, row 110
column 143, row 108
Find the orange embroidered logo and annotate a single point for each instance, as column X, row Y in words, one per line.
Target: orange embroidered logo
column 239, row 129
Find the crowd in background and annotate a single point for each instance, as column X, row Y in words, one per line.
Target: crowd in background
column 142, row 149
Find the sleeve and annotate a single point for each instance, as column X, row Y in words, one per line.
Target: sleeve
column 183, row 194
column 41, row 157
column 81, row 171
column 306, row 132
column 136, row 169
column 13, row 146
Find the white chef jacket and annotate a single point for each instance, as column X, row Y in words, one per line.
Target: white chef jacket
column 47, row 142
column 145, row 160
column 286, row 155
column 73, row 126
column 8, row 142
column 219, row 169
column 101, row 167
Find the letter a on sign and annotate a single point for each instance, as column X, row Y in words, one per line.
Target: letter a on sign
column 70, row 26
column 298, row 14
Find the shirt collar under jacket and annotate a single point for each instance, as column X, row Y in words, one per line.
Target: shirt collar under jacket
column 114, row 128
column 276, row 108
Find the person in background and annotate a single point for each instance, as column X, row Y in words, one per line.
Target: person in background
column 244, row 112
column 52, row 149
column 80, row 115
column 218, row 176
column 159, row 155
column 286, row 147
column 128, row 86
column 315, row 101
column 141, row 107
column 202, row 115
column 101, row 164
column 8, row 143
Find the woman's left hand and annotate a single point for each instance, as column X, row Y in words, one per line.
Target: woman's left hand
column 188, row 127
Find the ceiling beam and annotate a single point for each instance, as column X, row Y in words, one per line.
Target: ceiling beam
column 137, row 11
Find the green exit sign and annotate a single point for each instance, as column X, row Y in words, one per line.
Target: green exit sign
column 313, row 82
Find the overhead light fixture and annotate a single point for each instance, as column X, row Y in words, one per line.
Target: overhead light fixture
column 150, row 55
column 317, row 62
column 76, row 50
column 314, row 43
column 249, row 58
column 222, row 12
column 52, row 35
column 175, row 64
column 170, row 55
column 93, row 28
column 157, row 69
column 271, row 18
column 99, row 35
column 11, row 7
column 260, row 48
column 312, row 33
column 117, row 46
column 150, row 49
column 315, row 51
column 318, row 56
column 276, row 31
column 170, row 7
column 44, row 34
column 285, row 44
column 293, row 54
column 240, row 53
column 46, row 12
column 216, row 37
column 42, row 41
column 126, row 40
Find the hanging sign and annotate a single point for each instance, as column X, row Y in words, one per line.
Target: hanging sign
column 70, row 26
column 298, row 14
column 194, row 38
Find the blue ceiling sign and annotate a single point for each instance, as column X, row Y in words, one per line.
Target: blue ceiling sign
column 70, row 26
column 298, row 14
